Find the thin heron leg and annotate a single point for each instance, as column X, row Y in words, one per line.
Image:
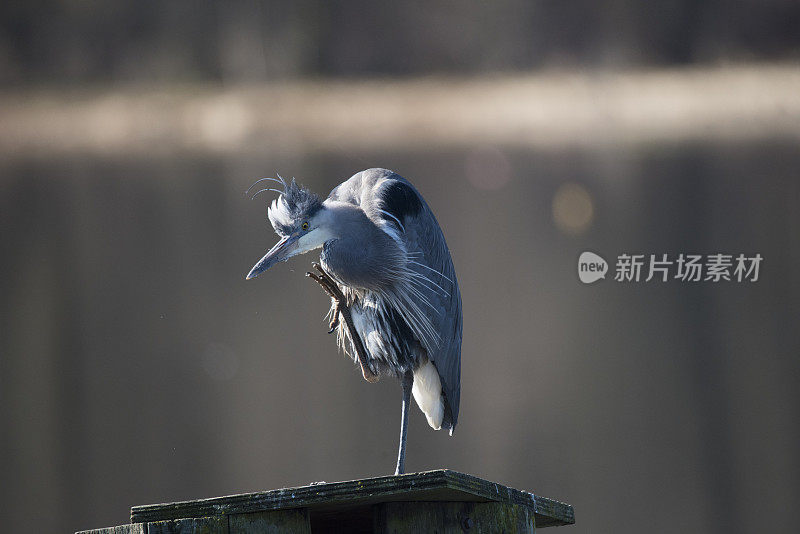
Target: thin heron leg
column 330, row 287
column 407, row 382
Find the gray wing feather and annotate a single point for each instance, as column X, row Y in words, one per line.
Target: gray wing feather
column 387, row 196
column 422, row 233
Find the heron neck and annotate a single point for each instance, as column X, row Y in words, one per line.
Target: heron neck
column 360, row 255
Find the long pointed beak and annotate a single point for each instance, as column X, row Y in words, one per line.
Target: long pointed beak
column 282, row 251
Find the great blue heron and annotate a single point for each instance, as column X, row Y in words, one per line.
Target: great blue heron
column 386, row 265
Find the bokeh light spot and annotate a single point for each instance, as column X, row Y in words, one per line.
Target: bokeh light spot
column 573, row 209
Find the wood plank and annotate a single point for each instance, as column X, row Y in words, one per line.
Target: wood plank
column 439, row 485
column 136, row 528
column 196, row 525
column 452, row 518
column 271, row 522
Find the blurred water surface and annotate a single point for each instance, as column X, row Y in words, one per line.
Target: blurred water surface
column 138, row 366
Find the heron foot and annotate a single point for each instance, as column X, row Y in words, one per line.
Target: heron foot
column 333, row 291
column 330, row 287
column 335, row 320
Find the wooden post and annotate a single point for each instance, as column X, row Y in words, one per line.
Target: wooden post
column 443, row 501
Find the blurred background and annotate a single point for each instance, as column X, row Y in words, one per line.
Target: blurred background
column 137, row 366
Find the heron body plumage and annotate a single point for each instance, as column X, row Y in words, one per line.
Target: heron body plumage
column 384, row 249
column 415, row 315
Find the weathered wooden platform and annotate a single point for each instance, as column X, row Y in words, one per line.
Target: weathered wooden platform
column 444, row 500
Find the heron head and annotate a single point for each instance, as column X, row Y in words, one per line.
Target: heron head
column 298, row 217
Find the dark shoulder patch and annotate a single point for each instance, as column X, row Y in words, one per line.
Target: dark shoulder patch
column 400, row 199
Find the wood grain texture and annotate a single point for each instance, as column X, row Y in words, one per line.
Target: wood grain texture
column 452, row 518
column 431, row 486
column 197, row 525
column 136, row 528
column 271, row 522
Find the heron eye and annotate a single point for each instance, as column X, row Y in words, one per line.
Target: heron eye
column 304, row 226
